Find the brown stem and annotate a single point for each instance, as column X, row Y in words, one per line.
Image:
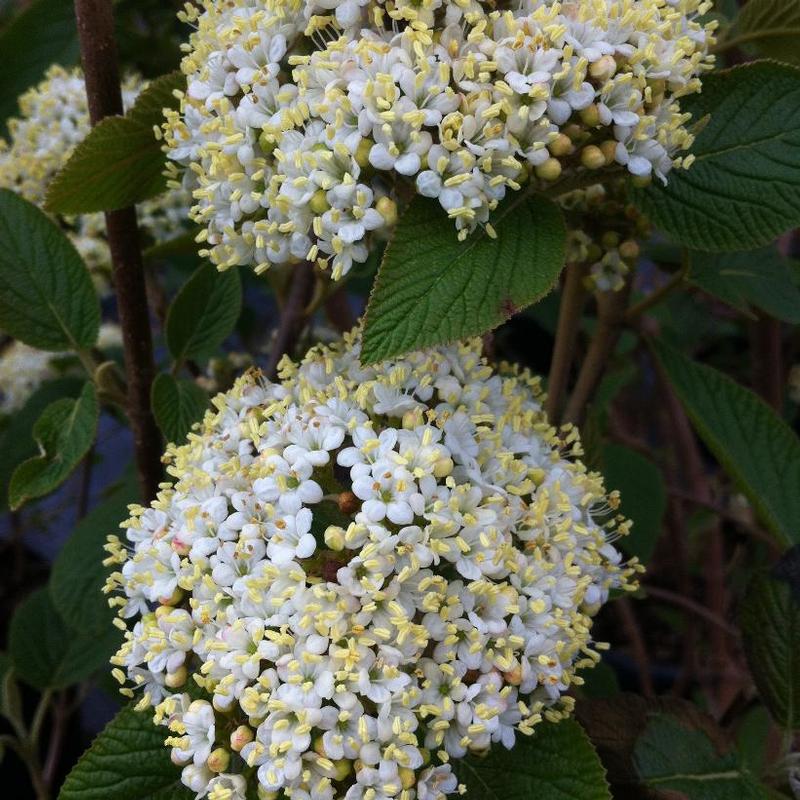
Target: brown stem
column 767, row 359
column 293, row 316
column 85, row 485
column 636, row 640
column 690, row 605
column 573, row 300
column 610, row 315
column 58, row 729
column 99, row 56
column 338, row 312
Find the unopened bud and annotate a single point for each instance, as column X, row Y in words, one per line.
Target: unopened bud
column 265, row 794
column 319, row 202
column 592, row 157
column 603, row 68
column 609, row 150
column 266, row 141
column 387, row 208
column 641, row 181
column 610, row 239
column 173, row 599
column 443, row 467
column 177, row 678
column 549, row 170
column 219, row 760
column 590, row 116
column 348, row 503
column 629, row 250
column 319, row 747
column 240, row 737
column 407, row 777
column 561, row 145
column 362, row 153
column 342, row 768
column 334, row 538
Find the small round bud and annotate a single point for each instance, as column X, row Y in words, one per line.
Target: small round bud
column 609, row 150
column 319, row 202
column 603, row 68
column 362, row 153
column 319, row 747
column 240, row 737
column 443, row 467
column 219, row 760
column 590, row 116
column 266, row 141
column 592, row 157
column 629, row 250
column 342, row 768
column 177, row 678
column 641, row 181
column 610, row 239
column 514, row 676
column 549, row 170
column 348, row 503
column 265, row 794
column 387, row 208
column 575, row 132
column 334, row 537
column 162, row 611
column 561, row 145
column 173, row 599
column 407, row 777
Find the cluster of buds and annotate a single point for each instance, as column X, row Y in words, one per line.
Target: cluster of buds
column 306, row 122
column 360, row 574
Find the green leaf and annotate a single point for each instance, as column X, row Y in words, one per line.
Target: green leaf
column 47, row 653
column 204, row 313
column 669, row 756
column 432, row 289
column 16, row 441
column 120, row 162
column 557, row 763
column 770, row 621
column 76, row 583
column 744, row 186
column 46, row 295
column 41, row 35
column 644, row 496
column 773, row 26
column 753, row 444
column 177, row 405
column 127, row 761
column 65, row 432
column 760, row 278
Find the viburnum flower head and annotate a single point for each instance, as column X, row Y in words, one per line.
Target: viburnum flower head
column 54, row 119
column 361, row 574
column 306, row 122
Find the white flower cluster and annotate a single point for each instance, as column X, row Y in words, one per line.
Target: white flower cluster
column 365, row 572
column 23, row 369
column 305, row 121
column 54, row 119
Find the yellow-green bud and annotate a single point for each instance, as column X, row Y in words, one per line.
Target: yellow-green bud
column 387, row 208
column 443, row 467
column 342, row 768
column 592, row 157
column 610, row 239
column 629, row 250
column 240, row 737
column 640, row 181
column 549, row 170
column 561, row 145
column 266, row 141
column 265, row 794
column 177, row 678
column 362, row 153
column 319, row 202
column 219, row 760
column 590, row 116
column 603, row 68
column 407, row 777
column 334, row 539
column 609, row 150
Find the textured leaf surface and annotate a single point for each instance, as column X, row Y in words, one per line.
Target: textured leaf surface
column 204, row 313
column 76, row 583
column 46, row 295
column 557, row 763
column 744, row 187
column 120, row 162
column 759, row 278
column 770, row 621
column 754, row 445
column 644, row 497
column 669, row 756
column 127, row 761
column 16, row 441
column 41, row 35
column 177, row 404
column 433, row 289
column 65, row 432
column 773, row 26
column 47, row 653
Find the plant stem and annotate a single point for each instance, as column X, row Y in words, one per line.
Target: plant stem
column 766, row 33
column 338, row 312
column 573, row 300
column 293, row 316
column 99, row 56
column 656, row 296
column 610, row 315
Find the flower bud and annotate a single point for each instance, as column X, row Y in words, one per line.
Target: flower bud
column 549, row 170
column 342, row 768
column 348, row 503
column 334, row 537
column 443, row 467
column 240, row 737
column 387, row 208
column 590, row 116
column 362, row 153
column 603, row 68
column 177, row 678
column 610, row 239
column 561, row 145
column 319, row 202
column 609, row 150
column 219, row 760
column 407, row 777
column 641, row 181
column 629, row 250
column 592, row 157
